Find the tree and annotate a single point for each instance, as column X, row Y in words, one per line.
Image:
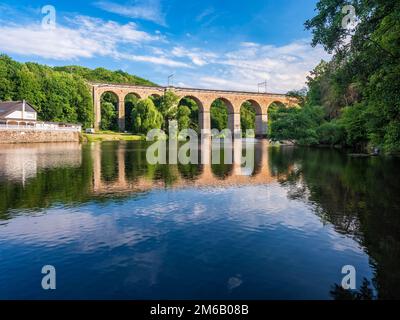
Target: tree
column 331, row 133
column 219, row 115
column 146, row 117
column 108, row 116
column 109, row 107
column 296, row 124
column 362, row 76
column 353, row 122
column 130, row 103
column 247, row 117
column 183, row 117
column 168, row 106
column 104, row 75
column 194, row 112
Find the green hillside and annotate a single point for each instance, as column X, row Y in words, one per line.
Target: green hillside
column 104, row 75
column 58, row 93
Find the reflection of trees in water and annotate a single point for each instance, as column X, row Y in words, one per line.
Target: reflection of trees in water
column 138, row 167
column 63, row 184
column 365, row 293
column 358, row 197
column 109, row 171
column 220, row 169
column 190, row 171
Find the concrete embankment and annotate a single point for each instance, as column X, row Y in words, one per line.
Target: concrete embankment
column 37, row 136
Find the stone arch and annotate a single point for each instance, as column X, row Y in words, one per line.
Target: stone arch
column 196, row 117
column 137, row 95
column 195, row 99
column 112, row 97
column 130, row 99
column 229, row 105
column 255, row 112
column 232, row 121
column 277, row 102
column 255, row 104
column 155, row 95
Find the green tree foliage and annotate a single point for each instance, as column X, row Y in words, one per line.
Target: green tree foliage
column 247, row 117
column 353, row 122
column 145, row 117
column 331, row 133
column 104, row 75
column 219, row 115
column 296, row 124
column 194, row 112
column 60, row 93
column 363, row 76
column 109, row 111
column 108, row 116
column 130, row 103
column 359, row 88
column 167, row 105
column 57, row 96
column 183, row 117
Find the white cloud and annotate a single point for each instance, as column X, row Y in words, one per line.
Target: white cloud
column 111, row 31
column 87, row 37
column 198, row 57
column 61, row 43
column 152, row 59
column 284, row 67
column 147, row 10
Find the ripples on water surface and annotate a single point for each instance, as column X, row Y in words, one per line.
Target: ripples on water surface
column 116, row 227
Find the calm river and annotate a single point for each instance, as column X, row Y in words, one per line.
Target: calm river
column 115, row 227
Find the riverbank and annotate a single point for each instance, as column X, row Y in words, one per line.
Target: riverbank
column 31, row 135
column 110, row 136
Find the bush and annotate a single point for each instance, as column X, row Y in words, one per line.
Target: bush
column 353, row 120
column 331, row 133
column 392, row 137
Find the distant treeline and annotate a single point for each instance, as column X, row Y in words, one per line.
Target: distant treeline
column 60, row 93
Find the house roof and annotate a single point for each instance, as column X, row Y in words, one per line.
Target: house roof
column 10, row 106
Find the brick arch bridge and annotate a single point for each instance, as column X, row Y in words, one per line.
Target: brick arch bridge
column 203, row 97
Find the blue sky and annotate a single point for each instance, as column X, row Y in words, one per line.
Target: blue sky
column 209, row 44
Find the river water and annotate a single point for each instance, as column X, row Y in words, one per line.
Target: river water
column 116, row 227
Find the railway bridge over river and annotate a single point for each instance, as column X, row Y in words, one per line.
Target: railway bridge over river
column 203, row 97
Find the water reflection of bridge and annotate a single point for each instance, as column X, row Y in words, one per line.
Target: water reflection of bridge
column 238, row 174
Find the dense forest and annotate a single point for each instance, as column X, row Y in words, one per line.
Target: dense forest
column 59, row 93
column 354, row 99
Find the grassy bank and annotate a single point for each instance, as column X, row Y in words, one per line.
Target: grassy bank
column 111, row 136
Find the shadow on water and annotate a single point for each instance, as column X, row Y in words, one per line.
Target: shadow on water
column 357, row 196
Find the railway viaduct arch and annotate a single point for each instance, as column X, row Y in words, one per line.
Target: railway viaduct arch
column 203, row 97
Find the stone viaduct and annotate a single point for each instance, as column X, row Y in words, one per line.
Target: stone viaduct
column 203, row 97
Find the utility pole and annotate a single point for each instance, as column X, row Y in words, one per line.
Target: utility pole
column 170, row 80
column 265, row 84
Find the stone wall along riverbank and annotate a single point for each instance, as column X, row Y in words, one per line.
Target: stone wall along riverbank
column 37, row 136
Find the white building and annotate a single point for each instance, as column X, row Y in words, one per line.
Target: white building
column 20, row 115
column 17, row 113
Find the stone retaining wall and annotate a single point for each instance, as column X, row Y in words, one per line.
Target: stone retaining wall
column 35, row 136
